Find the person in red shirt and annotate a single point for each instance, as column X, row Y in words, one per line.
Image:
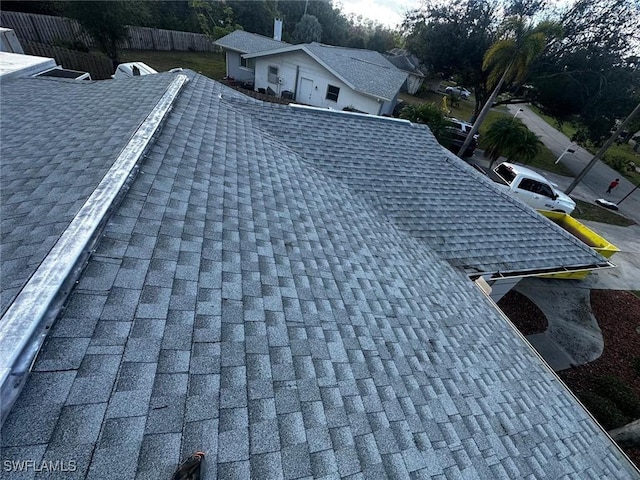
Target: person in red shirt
column 613, row 185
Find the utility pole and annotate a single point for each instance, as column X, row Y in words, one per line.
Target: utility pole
column 603, row 149
column 483, row 113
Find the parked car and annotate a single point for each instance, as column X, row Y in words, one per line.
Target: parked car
column 458, row 91
column 455, row 140
column 531, row 187
column 461, row 126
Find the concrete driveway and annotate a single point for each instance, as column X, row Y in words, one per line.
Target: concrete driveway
column 595, row 183
column 573, row 336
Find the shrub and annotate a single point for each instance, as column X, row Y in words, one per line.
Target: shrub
column 614, row 389
column 511, row 138
column 617, row 162
column 430, row 115
column 604, row 410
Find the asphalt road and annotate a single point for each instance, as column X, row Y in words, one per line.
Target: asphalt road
column 595, row 183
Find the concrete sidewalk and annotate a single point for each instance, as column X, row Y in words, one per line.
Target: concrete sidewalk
column 595, row 183
column 573, row 336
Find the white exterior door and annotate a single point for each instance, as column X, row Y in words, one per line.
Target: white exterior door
column 305, row 91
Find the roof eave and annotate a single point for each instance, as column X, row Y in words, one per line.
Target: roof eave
column 498, row 274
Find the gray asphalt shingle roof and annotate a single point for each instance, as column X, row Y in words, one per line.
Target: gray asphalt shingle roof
column 250, row 301
column 52, row 160
column 430, row 195
column 247, row 42
column 367, row 71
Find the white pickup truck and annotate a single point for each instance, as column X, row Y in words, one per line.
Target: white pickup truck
column 532, row 188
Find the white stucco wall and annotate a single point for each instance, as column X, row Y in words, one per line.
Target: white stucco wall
column 320, row 77
column 234, row 70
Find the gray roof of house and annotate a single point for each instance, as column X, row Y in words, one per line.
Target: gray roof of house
column 426, row 192
column 408, row 63
column 53, row 160
column 365, row 71
column 368, row 71
column 247, row 42
column 253, row 299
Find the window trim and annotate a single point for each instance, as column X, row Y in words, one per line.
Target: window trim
column 337, row 93
column 275, row 75
column 248, row 63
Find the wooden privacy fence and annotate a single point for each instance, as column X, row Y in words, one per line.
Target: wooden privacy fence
column 49, row 29
column 44, row 28
column 143, row 38
column 98, row 67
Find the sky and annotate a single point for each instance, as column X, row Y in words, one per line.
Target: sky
column 387, row 12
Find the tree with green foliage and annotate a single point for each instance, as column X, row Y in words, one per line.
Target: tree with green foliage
column 508, row 60
column 334, row 23
column 451, row 39
column 216, row 19
column 510, row 138
column 307, row 30
column 255, row 16
column 430, row 115
column 381, row 39
column 107, row 22
column 172, row 15
column 592, row 72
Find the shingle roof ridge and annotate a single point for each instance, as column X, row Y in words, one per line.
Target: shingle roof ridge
column 405, row 369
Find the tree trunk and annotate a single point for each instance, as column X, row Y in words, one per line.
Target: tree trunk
column 483, row 112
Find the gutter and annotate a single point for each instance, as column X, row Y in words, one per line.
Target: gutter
column 25, row 324
column 541, row 271
column 550, row 370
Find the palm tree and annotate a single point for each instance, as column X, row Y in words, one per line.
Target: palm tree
column 529, row 146
column 508, row 59
column 510, row 138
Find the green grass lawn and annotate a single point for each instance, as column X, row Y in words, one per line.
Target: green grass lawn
column 463, row 110
column 568, row 128
column 209, row 64
column 617, row 156
column 595, row 213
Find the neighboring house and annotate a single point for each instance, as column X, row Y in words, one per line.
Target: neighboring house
column 316, row 74
column 287, row 289
column 409, row 63
column 240, row 42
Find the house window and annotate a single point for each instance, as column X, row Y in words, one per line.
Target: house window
column 273, row 75
column 332, row 93
column 249, row 63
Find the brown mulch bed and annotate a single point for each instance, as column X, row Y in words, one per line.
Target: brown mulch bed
column 523, row 313
column 618, row 315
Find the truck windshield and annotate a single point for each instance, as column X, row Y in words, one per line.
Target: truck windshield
column 506, row 173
